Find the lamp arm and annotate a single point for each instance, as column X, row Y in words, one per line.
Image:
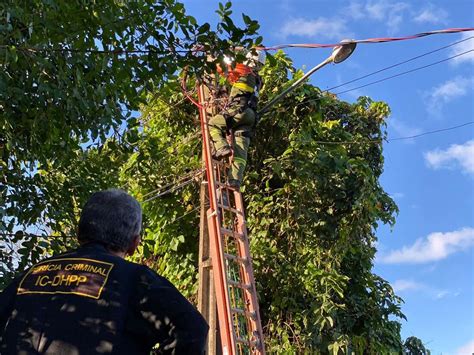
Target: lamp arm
column 294, row 85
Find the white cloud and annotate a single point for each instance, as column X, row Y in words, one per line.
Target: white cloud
column 445, row 293
column 431, row 14
column 381, row 10
column 321, row 27
column 441, row 294
column 436, row 246
column 285, row 6
column 456, row 155
column 377, row 10
column 462, row 47
column 466, row 349
column 451, row 89
column 393, row 14
column 447, row 92
column 355, row 10
column 405, row 285
column 390, row 13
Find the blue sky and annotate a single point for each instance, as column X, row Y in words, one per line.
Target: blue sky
column 428, row 256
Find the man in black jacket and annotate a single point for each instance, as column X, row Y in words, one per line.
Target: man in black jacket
column 92, row 301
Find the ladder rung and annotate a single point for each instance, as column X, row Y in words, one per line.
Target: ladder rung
column 236, row 258
column 243, row 312
column 219, row 161
column 251, row 343
column 206, row 263
column 239, row 285
column 220, row 184
column 231, row 209
column 231, row 233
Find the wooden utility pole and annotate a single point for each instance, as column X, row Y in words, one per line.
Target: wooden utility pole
column 207, row 294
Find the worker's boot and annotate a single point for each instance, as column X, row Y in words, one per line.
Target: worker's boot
column 222, row 152
column 234, row 183
column 217, row 130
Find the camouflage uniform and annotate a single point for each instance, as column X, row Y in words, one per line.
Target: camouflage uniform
column 240, row 118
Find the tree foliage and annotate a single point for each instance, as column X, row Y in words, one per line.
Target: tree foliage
column 313, row 203
column 66, row 80
column 414, row 346
column 72, row 73
column 312, row 187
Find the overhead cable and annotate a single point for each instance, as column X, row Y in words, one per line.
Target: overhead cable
column 317, row 97
column 173, row 189
column 370, row 40
column 432, row 132
column 74, row 236
column 398, row 64
column 186, row 176
column 174, row 186
column 378, row 141
column 119, row 51
column 185, row 140
column 405, row 72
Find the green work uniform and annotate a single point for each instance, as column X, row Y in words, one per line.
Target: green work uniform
column 241, row 120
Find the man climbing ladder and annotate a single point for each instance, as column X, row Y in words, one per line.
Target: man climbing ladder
column 240, row 116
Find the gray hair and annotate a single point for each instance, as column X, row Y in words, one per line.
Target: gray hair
column 111, row 217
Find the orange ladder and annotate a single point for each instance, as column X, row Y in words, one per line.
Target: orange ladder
column 236, row 297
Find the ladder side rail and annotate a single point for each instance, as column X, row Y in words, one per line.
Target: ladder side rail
column 218, row 263
column 247, row 268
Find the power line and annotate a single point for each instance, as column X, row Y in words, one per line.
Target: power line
column 119, row 51
column 308, row 98
column 189, row 177
column 23, row 234
column 174, row 186
column 432, row 132
column 184, row 215
column 185, row 140
column 371, row 40
column 378, row 141
column 200, row 171
column 317, row 97
column 90, row 51
column 406, row 72
column 398, row 64
column 186, row 176
column 74, row 236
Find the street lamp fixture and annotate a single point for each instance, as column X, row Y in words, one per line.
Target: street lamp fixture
column 342, row 52
column 339, row 54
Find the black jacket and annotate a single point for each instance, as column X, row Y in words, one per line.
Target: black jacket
column 89, row 301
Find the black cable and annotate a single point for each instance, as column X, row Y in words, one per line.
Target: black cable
column 405, row 72
column 398, row 64
column 75, row 236
column 378, row 141
column 431, row 132
column 309, row 98
column 89, row 51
